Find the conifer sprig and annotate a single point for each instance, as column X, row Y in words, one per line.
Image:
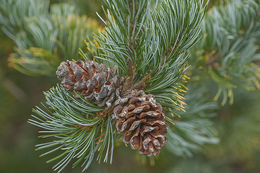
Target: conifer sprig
column 136, row 40
column 229, row 48
column 194, row 128
column 76, row 131
column 44, row 34
column 178, row 26
column 154, row 41
column 122, row 43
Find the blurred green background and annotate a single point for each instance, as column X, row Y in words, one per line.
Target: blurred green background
column 238, row 126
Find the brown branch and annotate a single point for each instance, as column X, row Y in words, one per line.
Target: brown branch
column 169, row 51
column 141, row 84
column 128, row 83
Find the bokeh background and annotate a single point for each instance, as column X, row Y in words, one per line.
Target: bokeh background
column 237, row 124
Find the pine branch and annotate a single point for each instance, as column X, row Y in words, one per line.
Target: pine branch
column 130, row 35
column 59, row 31
column 124, row 33
column 178, row 30
column 229, row 49
column 194, row 129
column 14, row 14
column 150, row 45
column 75, row 132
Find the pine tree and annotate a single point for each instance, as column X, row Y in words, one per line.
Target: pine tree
column 133, row 82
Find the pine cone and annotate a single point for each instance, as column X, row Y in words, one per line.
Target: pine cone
column 141, row 121
column 94, row 81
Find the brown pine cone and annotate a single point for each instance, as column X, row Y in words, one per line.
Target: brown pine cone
column 96, row 82
column 141, row 121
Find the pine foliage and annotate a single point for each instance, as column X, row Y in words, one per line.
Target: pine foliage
column 195, row 128
column 76, row 131
column 159, row 58
column 153, row 44
column 229, row 49
column 157, row 61
column 44, row 35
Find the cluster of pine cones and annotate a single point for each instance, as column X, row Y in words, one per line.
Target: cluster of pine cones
column 139, row 118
